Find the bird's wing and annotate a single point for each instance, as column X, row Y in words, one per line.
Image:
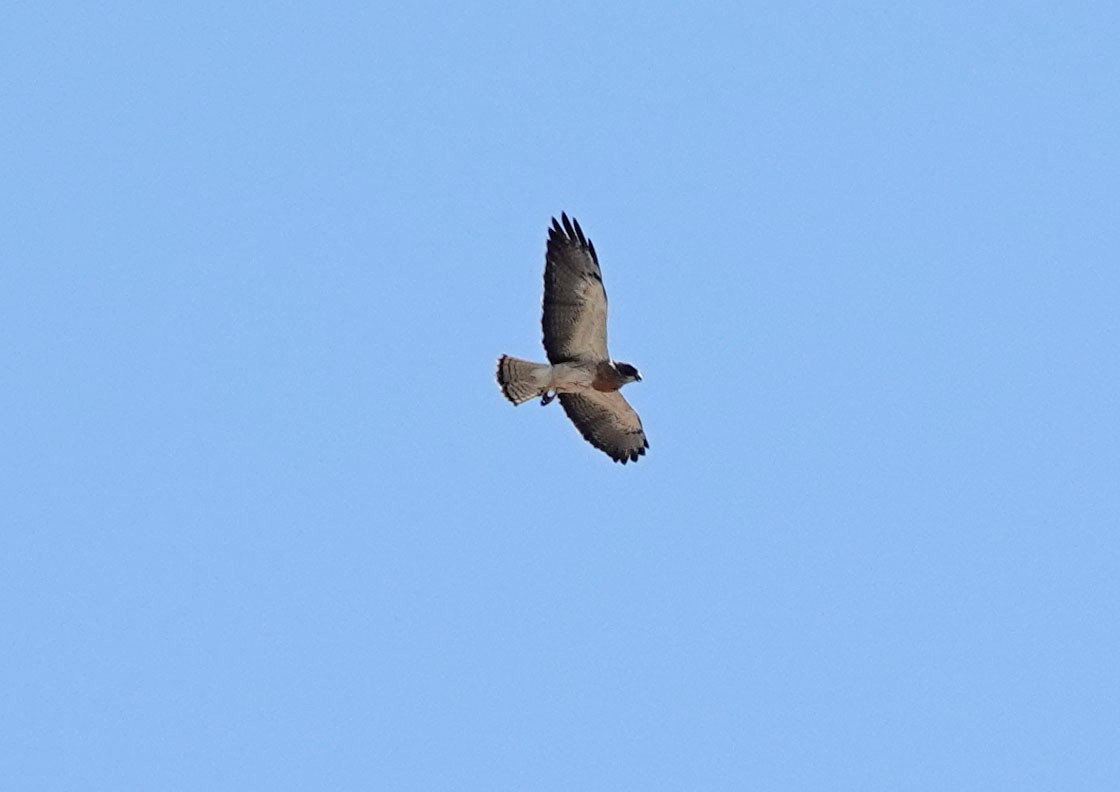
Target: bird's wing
column 608, row 422
column 575, row 303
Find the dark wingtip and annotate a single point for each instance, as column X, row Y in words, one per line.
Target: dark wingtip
column 630, row 456
column 568, row 226
column 579, row 232
column 567, row 229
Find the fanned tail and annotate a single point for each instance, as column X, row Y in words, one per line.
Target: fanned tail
column 522, row 380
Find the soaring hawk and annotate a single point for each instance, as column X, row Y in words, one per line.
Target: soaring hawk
column 581, row 373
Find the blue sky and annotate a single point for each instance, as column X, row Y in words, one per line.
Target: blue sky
column 269, row 523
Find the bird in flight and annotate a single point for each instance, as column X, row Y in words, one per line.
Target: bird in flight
column 579, row 369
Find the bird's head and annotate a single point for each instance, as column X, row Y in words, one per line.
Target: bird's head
column 628, row 372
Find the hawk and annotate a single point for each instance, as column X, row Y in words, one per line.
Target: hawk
column 581, row 373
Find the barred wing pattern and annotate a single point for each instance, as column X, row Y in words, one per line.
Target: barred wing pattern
column 608, row 422
column 575, row 302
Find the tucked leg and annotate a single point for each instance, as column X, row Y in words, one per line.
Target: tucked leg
column 546, row 397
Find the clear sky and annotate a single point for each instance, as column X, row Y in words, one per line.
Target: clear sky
column 269, row 524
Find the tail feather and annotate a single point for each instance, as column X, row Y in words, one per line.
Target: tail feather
column 522, row 380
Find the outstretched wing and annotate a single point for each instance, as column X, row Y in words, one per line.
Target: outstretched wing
column 575, row 303
column 608, row 422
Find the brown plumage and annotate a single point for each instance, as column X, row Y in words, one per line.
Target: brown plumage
column 574, row 321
